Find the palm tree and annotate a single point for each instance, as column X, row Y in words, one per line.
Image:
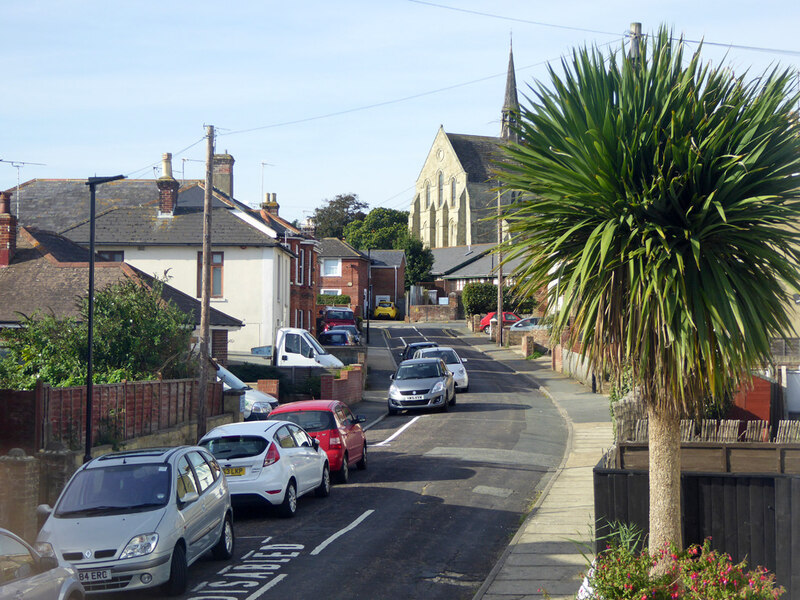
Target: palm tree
column 660, row 199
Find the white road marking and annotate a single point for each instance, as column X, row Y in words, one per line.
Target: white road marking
column 420, row 333
column 398, row 432
column 340, row 533
column 265, row 587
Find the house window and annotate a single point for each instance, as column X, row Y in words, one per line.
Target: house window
column 310, row 266
column 216, row 274
column 441, row 189
column 301, row 260
column 453, row 192
column 331, row 267
column 111, row 255
column 330, row 292
column 427, row 195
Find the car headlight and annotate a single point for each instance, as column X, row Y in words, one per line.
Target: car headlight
column 438, row 387
column 44, row 549
column 461, row 371
column 140, row 545
column 393, row 389
column 260, row 407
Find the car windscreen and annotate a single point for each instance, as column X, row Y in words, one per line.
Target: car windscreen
column 116, row 490
column 417, row 371
column 340, row 315
column 310, row 420
column 448, row 356
column 235, row 446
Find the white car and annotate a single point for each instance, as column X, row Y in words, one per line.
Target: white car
column 137, row 519
column 257, row 404
column 276, row 461
column 454, row 363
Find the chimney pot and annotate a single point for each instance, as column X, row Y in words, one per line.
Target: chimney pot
column 5, row 203
column 167, row 188
column 166, row 165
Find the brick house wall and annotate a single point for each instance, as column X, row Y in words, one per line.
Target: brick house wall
column 387, row 281
column 303, row 288
column 352, row 282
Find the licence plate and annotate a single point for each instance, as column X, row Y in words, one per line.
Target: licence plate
column 233, row 471
column 98, row 575
column 415, row 398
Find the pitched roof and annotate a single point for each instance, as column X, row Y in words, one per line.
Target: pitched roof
column 141, row 226
column 387, row 258
column 467, row 262
column 49, row 273
column 336, row 248
column 476, row 153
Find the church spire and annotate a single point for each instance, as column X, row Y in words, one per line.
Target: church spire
column 510, row 104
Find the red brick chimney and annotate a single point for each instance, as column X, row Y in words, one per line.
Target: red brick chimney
column 270, row 205
column 167, row 188
column 8, row 230
column 222, row 173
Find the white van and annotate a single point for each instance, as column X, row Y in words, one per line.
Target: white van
column 297, row 348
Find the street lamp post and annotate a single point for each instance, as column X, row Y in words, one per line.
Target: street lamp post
column 92, row 182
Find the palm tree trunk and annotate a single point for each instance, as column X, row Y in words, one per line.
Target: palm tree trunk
column 665, row 479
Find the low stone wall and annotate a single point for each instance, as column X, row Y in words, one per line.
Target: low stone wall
column 347, row 388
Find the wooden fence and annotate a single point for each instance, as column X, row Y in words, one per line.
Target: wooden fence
column 752, row 517
column 120, row 411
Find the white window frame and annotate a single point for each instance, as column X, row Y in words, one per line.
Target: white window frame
column 338, row 270
column 330, row 292
column 300, row 275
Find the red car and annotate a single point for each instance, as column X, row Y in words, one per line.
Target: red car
column 337, row 316
column 509, row 318
column 339, row 432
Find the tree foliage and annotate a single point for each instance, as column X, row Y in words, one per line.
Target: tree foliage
column 658, row 195
column 482, row 298
column 331, row 219
column 137, row 336
column 385, row 229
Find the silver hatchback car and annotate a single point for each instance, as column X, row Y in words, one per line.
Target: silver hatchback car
column 138, row 519
column 421, row 383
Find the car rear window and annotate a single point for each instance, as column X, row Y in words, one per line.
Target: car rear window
column 310, row 420
column 448, row 356
column 341, row 315
column 235, row 446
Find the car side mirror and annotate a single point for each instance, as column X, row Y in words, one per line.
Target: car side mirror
column 44, row 510
column 47, row 563
column 360, row 419
column 391, row 375
column 315, row 443
column 189, row 497
column 464, row 360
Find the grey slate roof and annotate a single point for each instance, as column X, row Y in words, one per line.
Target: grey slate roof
column 476, row 153
column 49, row 273
column 483, row 267
column 447, row 260
column 387, row 258
column 141, row 226
column 336, row 248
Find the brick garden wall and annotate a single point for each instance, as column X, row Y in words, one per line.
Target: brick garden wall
column 348, row 388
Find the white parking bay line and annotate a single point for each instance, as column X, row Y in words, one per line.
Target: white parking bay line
column 264, row 588
column 398, row 432
column 340, row 533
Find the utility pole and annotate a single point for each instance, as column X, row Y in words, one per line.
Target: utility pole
column 499, row 274
column 636, row 35
column 205, row 355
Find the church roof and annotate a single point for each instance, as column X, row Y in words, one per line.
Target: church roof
column 476, row 153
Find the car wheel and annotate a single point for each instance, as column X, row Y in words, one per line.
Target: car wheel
column 393, row 411
column 344, row 473
column 176, row 584
column 465, row 390
column 445, row 404
column 362, row 464
column 324, row 488
column 288, row 507
column 453, row 399
column 224, row 548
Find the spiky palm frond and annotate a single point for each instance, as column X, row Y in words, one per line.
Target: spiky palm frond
column 662, row 199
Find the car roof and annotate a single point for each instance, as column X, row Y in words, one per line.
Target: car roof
column 426, row 344
column 246, row 428
column 139, row 456
column 302, row 405
column 417, row 361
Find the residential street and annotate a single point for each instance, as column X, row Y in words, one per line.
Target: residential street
column 443, row 495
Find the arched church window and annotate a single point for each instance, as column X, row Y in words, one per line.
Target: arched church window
column 441, row 188
column 453, row 192
column 427, row 195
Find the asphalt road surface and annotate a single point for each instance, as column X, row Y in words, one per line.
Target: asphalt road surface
column 441, row 498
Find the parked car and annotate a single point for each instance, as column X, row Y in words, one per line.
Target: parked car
column 24, row 573
column 385, row 310
column 338, row 432
column 257, row 405
column 351, row 328
column 508, row 319
column 409, row 349
column 295, row 347
column 421, row 383
column 275, row 461
column 138, row 519
column 336, row 337
column 337, row 316
column 526, row 324
column 453, row 362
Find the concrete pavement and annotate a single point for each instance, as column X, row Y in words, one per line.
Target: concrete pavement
column 547, row 556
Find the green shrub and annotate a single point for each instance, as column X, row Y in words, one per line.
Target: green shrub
column 479, row 298
column 332, row 300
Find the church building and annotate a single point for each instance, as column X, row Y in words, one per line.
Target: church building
column 455, row 194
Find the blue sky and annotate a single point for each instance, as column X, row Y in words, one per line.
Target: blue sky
column 102, row 88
